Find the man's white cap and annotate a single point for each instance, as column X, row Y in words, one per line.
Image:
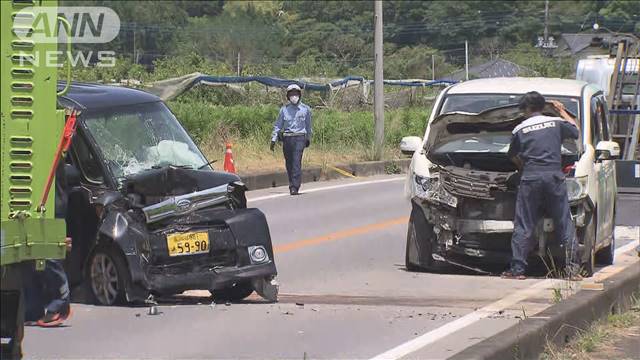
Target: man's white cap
column 293, row 87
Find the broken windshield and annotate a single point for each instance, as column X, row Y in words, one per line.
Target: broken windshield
column 140, row 137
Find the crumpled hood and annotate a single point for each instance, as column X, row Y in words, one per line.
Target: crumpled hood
column 501, row 119
column 172, row 181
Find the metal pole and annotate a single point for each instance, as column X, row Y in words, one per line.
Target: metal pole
column 466, row 59
column 135, row 58
column 238, row 63
column 378, row 99
column 546, row 22
column 433, row 67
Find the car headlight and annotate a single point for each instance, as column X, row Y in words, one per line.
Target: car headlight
column 577, row 187
column 431, row 189
column 423, row 184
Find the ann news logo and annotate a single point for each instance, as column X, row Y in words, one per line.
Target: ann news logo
column 89, row 24
column 85, row 25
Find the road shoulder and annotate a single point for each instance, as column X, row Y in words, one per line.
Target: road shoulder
column 561, row 322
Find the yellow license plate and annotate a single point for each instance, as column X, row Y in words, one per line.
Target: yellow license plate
column 188, row 243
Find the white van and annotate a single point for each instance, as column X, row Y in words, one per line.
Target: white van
column 463, row 187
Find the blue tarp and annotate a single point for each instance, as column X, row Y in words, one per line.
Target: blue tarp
column 171, row 88
column 277, row 82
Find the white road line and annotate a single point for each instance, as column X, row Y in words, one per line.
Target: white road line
column 326, row 188
column 471, row 318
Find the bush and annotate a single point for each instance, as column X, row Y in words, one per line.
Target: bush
column 218, row 124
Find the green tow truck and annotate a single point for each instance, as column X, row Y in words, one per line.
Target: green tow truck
column 31, row 132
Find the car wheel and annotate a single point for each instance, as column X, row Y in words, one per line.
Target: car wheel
column 419, row 249
column 588, row 235
column 606, row 255
column 411, row 246
column 108, row 276
column 236, row 292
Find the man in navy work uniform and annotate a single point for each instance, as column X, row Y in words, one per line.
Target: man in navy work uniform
column 536, row 149
column 293, row 126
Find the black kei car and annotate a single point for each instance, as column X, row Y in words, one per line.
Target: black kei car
column 147, row 213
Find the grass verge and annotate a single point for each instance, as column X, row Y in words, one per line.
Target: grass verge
column 616, row 337
column 339, row 136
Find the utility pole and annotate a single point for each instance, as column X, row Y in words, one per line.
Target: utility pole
column 466, row 59
column 433, row 66
column 546, row 22
column 238, row 63
column 135, row 57
column 378, row 86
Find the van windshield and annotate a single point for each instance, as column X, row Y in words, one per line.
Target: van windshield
column 495, row 143
column 477, row 103
column 141, row 137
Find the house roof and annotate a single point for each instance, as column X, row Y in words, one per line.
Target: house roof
column 575, row 43
column 491, row 69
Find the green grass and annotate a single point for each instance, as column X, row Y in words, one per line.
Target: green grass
column 590, row 339
column 596, row 337
column 339, row 136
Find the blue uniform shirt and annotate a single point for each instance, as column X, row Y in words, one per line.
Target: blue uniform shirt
column 538, row 142
column 295, row 119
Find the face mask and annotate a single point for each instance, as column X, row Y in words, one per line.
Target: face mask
column 294, row 99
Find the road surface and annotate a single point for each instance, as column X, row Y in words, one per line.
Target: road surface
column 344, row 294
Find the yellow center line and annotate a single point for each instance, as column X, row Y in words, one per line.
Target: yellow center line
column 279, row 249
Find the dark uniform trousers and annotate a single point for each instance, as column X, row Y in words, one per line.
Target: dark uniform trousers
column 46, row 290
column 293, row 147
column 539, row 193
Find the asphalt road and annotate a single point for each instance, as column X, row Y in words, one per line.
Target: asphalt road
column 344, row 294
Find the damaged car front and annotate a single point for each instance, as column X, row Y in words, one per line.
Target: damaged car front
column 166, row 221
column 464, row 198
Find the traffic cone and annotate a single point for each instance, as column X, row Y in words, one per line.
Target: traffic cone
column 228, row 160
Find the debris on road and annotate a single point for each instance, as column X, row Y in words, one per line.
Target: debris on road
column 153, row 310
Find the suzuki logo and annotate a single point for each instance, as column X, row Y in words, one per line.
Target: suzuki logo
column 183, row 204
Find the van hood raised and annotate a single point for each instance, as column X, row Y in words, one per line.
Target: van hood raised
column 501, row 119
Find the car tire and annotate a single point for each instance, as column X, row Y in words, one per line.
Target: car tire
column 420, row 237
column 411, row 244
column 108, row 276
column 606, row 255
column 588, row 234
column 236, row 292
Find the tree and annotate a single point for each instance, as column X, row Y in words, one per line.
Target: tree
column 532, row 58
column 621, row 15
column 414, row 62
column 240, row 33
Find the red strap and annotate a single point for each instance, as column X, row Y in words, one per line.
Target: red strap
column 63, row 146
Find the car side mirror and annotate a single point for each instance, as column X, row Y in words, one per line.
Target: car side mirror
column 607, row 150
column 410, row 144
column 72, row 175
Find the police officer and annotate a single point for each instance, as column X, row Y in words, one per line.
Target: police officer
column 536, row 149
column 293, row 126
